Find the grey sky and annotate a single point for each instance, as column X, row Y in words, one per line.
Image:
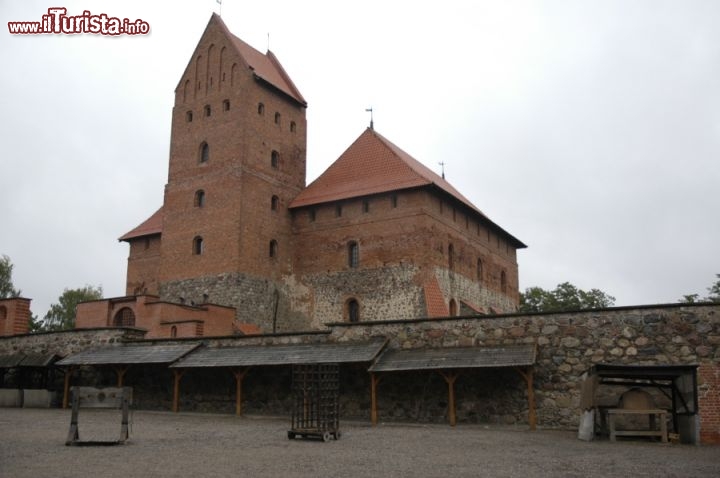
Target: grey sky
column 590, row 130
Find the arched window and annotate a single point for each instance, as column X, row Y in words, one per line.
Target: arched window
column 188, row 116
column 277, row 118
column 451, row 257
column 453, row 308
column 353, row 254
column 275, row 159
column 261, row 109
column 226, row 105
column 353, row 310
column 274, row 203
column 503, row 282
column 199, row 198
column 125, row 317
column 198, row 245
column 207, row 110
column 204, row 152
column 273, row 249
column 479, row 269
column 173, row 331
column 293, row 126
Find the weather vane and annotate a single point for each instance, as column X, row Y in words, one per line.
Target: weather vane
column 369, row 110
column 219, row 3
column 442, row 166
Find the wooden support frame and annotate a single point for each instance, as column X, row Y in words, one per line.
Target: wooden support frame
column 177, row 375
column 239, row 374
column 450, row 378
column 121, row 371
column 66, row 387
column 527, row 375
column 374, row 382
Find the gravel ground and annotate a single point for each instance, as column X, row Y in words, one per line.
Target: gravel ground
column 164, row 444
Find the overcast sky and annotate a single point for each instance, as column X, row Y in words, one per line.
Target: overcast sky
column 590, row 130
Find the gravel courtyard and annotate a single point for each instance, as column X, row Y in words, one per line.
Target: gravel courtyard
column 164, row 444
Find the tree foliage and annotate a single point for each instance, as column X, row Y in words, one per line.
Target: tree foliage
column 7, row 289
column 61, row 316
column 713, row 290
column 564, row 297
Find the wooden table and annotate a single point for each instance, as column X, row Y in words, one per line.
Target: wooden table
column 613, row 413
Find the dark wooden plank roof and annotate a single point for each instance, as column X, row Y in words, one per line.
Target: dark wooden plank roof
column 128, row 354
column 257, row 355
column 38, row 360
column 11, row 361
column 457, row 357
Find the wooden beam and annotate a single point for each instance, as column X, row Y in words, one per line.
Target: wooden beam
column 239, row 374
column 450, row 378
column 66, row 388
column 527, row 375
column 121, row 374
column 176, row 389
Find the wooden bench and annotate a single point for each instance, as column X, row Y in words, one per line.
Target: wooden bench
column 613, row 413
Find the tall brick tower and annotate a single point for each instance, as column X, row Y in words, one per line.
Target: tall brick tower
column 237, row 158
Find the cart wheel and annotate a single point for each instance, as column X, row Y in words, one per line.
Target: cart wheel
column 326, row 436
column 338, row 435
column 291, row 435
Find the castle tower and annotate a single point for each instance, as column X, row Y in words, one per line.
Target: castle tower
column 237, row 159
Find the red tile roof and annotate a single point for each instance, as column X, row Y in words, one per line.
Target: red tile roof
column 152, row 225
column 434, row 299
column 265, row 67
column 372, row 165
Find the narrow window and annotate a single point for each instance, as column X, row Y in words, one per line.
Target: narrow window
column 366, row 206
column 338, row 210
column 311, row 213
column 226, row 105
column 147, row 243
column 199, row 198
column 353, row 254
column 188, row 116
column 451, row 257
column 274, row 202
column 277, row 118
column 198, row 246
column 292, row 126
column 204, row 152
column 453, row 308
column 503, row 282
column 353, row 310
column 173, row 331
column 261, row 109
column 275, row 159
column 207, row 110
column 454, row 215
column 273, row 249
column 393, row 200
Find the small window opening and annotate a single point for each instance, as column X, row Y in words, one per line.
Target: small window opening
column 277, row 118
column 273, row 249
column 261, row 109
column 353, row 310
column 394, row 200
column 293, row 126
column 338, row 210
column 226, row 105
column 274, row 202
column 198, row 246
column 453, row 308
column 204, row 152
column 366, row 206
column 207, row 110
column 311, row 213
column 188, row 116
column 199, row 198
column 353, row 254
column 173, row 331
column 275, row 159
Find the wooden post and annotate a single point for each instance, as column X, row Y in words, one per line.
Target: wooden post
column 66, row 389
column 176, row 389
column 239, row 376
column 450, row 379
column 374, row 382
column 527, row 375
column 121, row 374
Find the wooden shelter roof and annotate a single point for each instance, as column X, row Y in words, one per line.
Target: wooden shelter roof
column 129, row 354
column 257, row 355
column 455, row 358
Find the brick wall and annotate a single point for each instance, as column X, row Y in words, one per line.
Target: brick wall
column 14, row 316
column 709, row 401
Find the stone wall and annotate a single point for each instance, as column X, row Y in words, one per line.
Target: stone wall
column 66, row 342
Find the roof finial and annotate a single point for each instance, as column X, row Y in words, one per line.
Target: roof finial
column 442, row 165
column 268, row 48
column 371, row 117
column 219, row 3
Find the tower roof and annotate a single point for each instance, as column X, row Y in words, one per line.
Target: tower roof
column 374, row 165
column 151, row 226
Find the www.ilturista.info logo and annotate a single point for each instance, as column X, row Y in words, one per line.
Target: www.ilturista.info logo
column 59, row 23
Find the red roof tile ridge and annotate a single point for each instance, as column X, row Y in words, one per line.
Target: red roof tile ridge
column 151, row 226
column 434, row 299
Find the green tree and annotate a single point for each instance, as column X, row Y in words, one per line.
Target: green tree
column 564, row 297
column 7, row 289
column 61, row 316
column 714, row 296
